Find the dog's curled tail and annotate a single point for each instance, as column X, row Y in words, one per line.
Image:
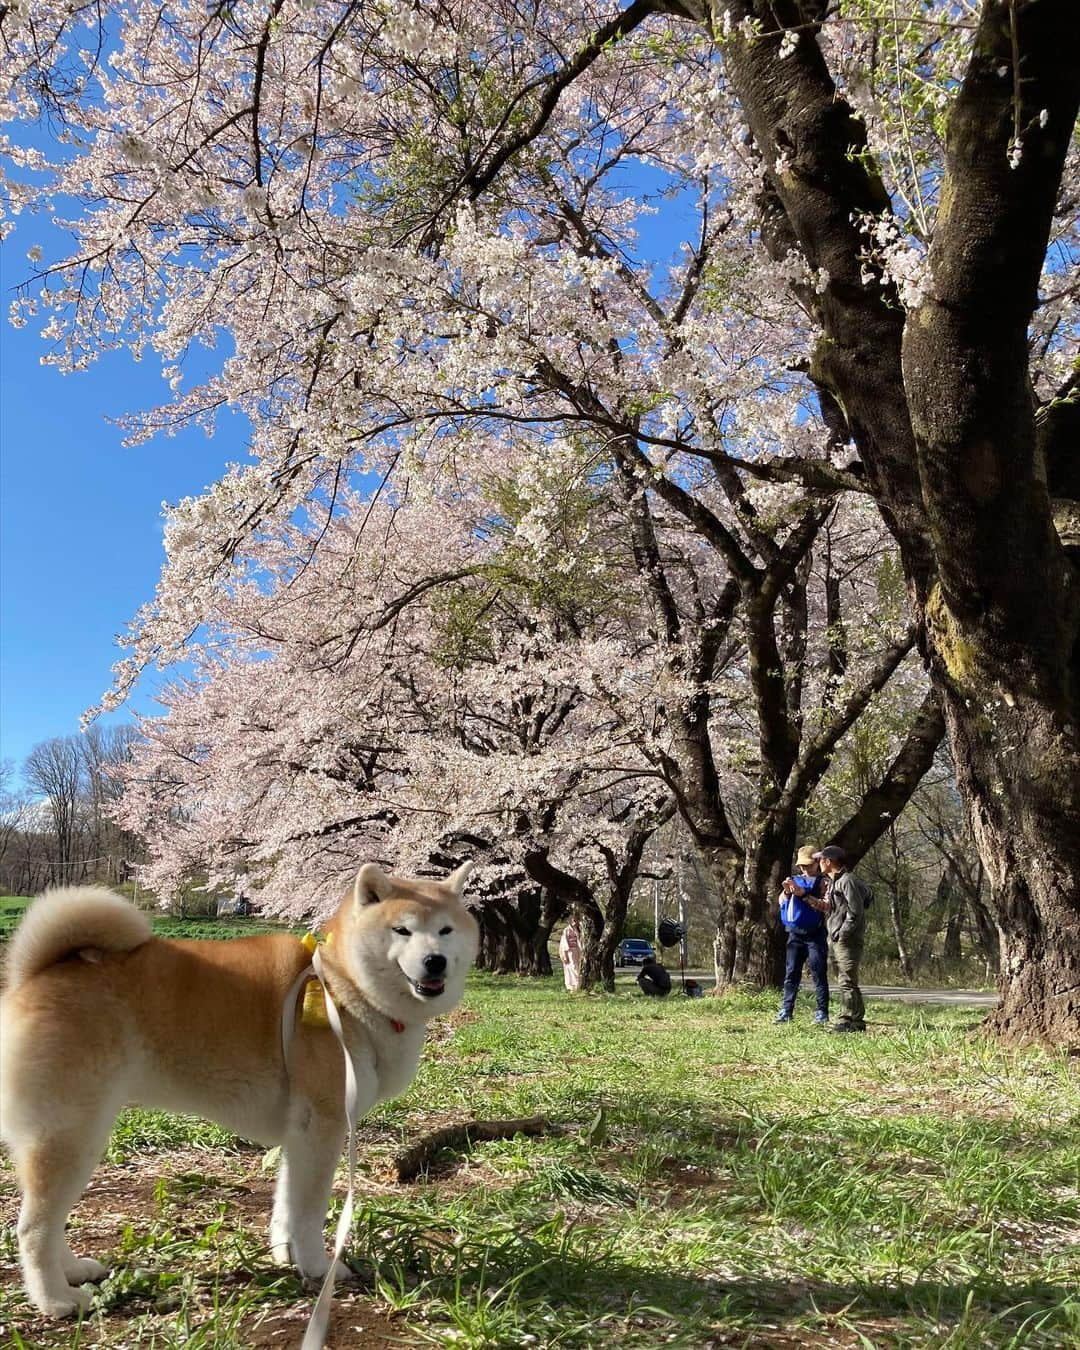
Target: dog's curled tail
column 70, row 919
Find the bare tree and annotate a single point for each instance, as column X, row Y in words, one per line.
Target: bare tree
column 13, row 812
column 54, row 769
column 71, row 826
column 104, row 750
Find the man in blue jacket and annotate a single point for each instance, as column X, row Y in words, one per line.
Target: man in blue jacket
column 802, row 912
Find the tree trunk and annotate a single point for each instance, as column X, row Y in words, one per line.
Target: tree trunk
column 760, row 951
column 551, row 911
column 529, row 934
column 896, row 915
column 498, row 947
column 740, row 948
column 514, row 933
column 1024, row 790
column 609, row 940
column 935, row 920
column 1003, row 616
column 985, row 928
column 592, row 955
column 951, row 950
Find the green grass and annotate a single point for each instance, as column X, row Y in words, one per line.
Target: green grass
column 11, row 911
column 712, row 1180
column 167, row 926
column 164, row 925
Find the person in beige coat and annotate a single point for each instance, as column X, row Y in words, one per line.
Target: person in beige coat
column 570, row 956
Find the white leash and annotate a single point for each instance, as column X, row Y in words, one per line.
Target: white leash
column 319, row 1322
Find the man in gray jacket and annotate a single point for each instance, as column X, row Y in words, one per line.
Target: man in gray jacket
column 846, row 922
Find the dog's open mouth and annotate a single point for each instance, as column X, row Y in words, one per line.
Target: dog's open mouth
column 428, row 988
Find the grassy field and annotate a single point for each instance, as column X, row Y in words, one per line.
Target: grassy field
column 709, row 1180
column 164, row 925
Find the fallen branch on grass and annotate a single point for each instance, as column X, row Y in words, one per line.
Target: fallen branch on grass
column 461, row 1137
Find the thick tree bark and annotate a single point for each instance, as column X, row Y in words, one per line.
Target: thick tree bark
column 552, row 910
column 985, row 927
column 591, row 924
column 514, row 934
column 733, row 945
column 1004, row 615
column 760, row 955
column 1026, row 819
column 598, row 937
column 529, row 933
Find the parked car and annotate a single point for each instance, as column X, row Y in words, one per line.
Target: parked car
column 633, row 952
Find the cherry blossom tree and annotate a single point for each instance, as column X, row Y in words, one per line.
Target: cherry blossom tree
column 412, row 689
column 441, row 675
column 421, row 236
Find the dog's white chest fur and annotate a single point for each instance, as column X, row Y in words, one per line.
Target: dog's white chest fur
column 397, row 1057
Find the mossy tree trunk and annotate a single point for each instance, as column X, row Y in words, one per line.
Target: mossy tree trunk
column 1003, row 616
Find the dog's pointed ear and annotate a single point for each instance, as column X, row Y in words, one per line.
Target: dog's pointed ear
column 456, row 880
column 371, row 885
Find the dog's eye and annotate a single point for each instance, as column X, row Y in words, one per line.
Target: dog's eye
column 405, row 932
column 443, row 931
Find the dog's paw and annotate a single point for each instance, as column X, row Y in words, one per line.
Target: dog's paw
column 314, row 1272
column 85, row 1270
column 69, row 1304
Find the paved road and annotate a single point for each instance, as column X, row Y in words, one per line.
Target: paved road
column 897, row 993
column 967, row 998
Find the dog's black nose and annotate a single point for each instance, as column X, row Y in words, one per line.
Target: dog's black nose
column 434, row 964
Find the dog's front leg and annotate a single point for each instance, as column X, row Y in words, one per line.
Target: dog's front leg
column 309, row 1155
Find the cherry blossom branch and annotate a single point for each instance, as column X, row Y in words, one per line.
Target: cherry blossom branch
column 815, row 756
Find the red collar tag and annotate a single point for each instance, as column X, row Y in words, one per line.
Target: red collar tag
column 398, row 1026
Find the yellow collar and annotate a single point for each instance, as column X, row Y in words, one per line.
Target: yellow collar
column 311, row 940
column 313, row 1012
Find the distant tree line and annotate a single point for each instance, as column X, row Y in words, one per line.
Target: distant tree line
column 57, row 829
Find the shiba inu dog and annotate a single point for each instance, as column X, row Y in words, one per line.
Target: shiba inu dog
column 97, row 1014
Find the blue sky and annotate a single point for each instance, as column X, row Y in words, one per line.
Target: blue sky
column 80, row 521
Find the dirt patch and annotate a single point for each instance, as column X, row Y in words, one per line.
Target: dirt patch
column 840, row 1339
column 184, row 1189
column 443, row 1028
column 683, row 1184
column 352, row 1323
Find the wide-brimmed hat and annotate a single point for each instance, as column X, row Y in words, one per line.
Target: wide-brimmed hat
column 805, row 856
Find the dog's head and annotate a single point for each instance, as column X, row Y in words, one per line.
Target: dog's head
column 409, row 943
